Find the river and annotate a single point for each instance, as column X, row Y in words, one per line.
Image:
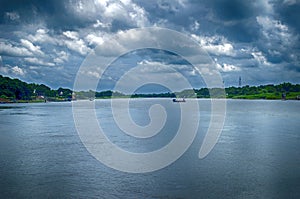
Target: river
column 257, row 154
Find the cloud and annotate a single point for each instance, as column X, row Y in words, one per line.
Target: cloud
column 93, row 72
column 276, row 40
column 216, row 45
column 15, row 70
column 101, row 24
column 260, row 58
column 71, row 35
column 154, row 67
column 37, row 61
column 11, row 50
column 289, row 2
column 165, row 68
column 246, row 37
column 115, row 10
column 18, row 71
column 30, row 46
column 227, row 67
column 41, row 36
column 195, row 26
column 62, row 57
column 73, row 42
column 13, row 16
column 147, row 72
column 138, row 15
column 274, row 30
column 111, row 14
column 94, row 39
column 288, row 12
column 78, row 46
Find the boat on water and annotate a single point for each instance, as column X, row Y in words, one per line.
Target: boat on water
column 179, row 100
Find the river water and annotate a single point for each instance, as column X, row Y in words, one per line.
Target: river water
column 257, row 155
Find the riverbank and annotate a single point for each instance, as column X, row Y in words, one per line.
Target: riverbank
column 105, row 98
column 9, row 101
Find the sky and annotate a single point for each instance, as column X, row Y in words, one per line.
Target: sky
column 47, row 41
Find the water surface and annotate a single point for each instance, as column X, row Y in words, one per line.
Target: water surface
column 257, row 155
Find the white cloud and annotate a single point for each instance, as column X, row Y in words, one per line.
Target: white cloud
column 77, row 46
column 171, row 5
column 102, row 3
column 101, row 24
column 36, row 61
column 275, row 31
column 71, row 35
column 110, row 10
column 94, row 39
column 126, row 11
column 93, row 74
column 111, row 49
column 260, row 58
column 195, row 26
column 154, row 67
column 35, row 49
column 42, row 36
column 115, row 10
column 162, row 68
column 225, row 49
column 227, row 67
column 74, row 42
column 269, row 24
column 9, row 49
column 62, row 57
column 138, row 15
column 216, row 45
column 18, row 71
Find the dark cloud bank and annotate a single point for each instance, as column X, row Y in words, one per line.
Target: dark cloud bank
column 46, row 41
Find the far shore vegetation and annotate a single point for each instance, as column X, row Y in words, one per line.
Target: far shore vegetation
column 15, row 90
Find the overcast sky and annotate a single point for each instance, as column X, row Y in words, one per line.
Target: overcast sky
column 46, row 41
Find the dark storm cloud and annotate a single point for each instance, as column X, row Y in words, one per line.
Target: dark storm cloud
column 232, row 10
column 32, row 10
column 55, row 13
column 61, row 15
column 40, row 39
column 234, row 18
column 288, row 11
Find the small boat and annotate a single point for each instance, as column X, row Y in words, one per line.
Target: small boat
column 179, row 100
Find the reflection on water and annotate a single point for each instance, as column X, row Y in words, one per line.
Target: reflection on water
column 257, row 155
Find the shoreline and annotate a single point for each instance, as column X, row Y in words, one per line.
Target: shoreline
column 61, row 101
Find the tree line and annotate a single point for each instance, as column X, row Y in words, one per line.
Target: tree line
column 15, row 89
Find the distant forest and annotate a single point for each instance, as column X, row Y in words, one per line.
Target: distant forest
column 15, row 90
